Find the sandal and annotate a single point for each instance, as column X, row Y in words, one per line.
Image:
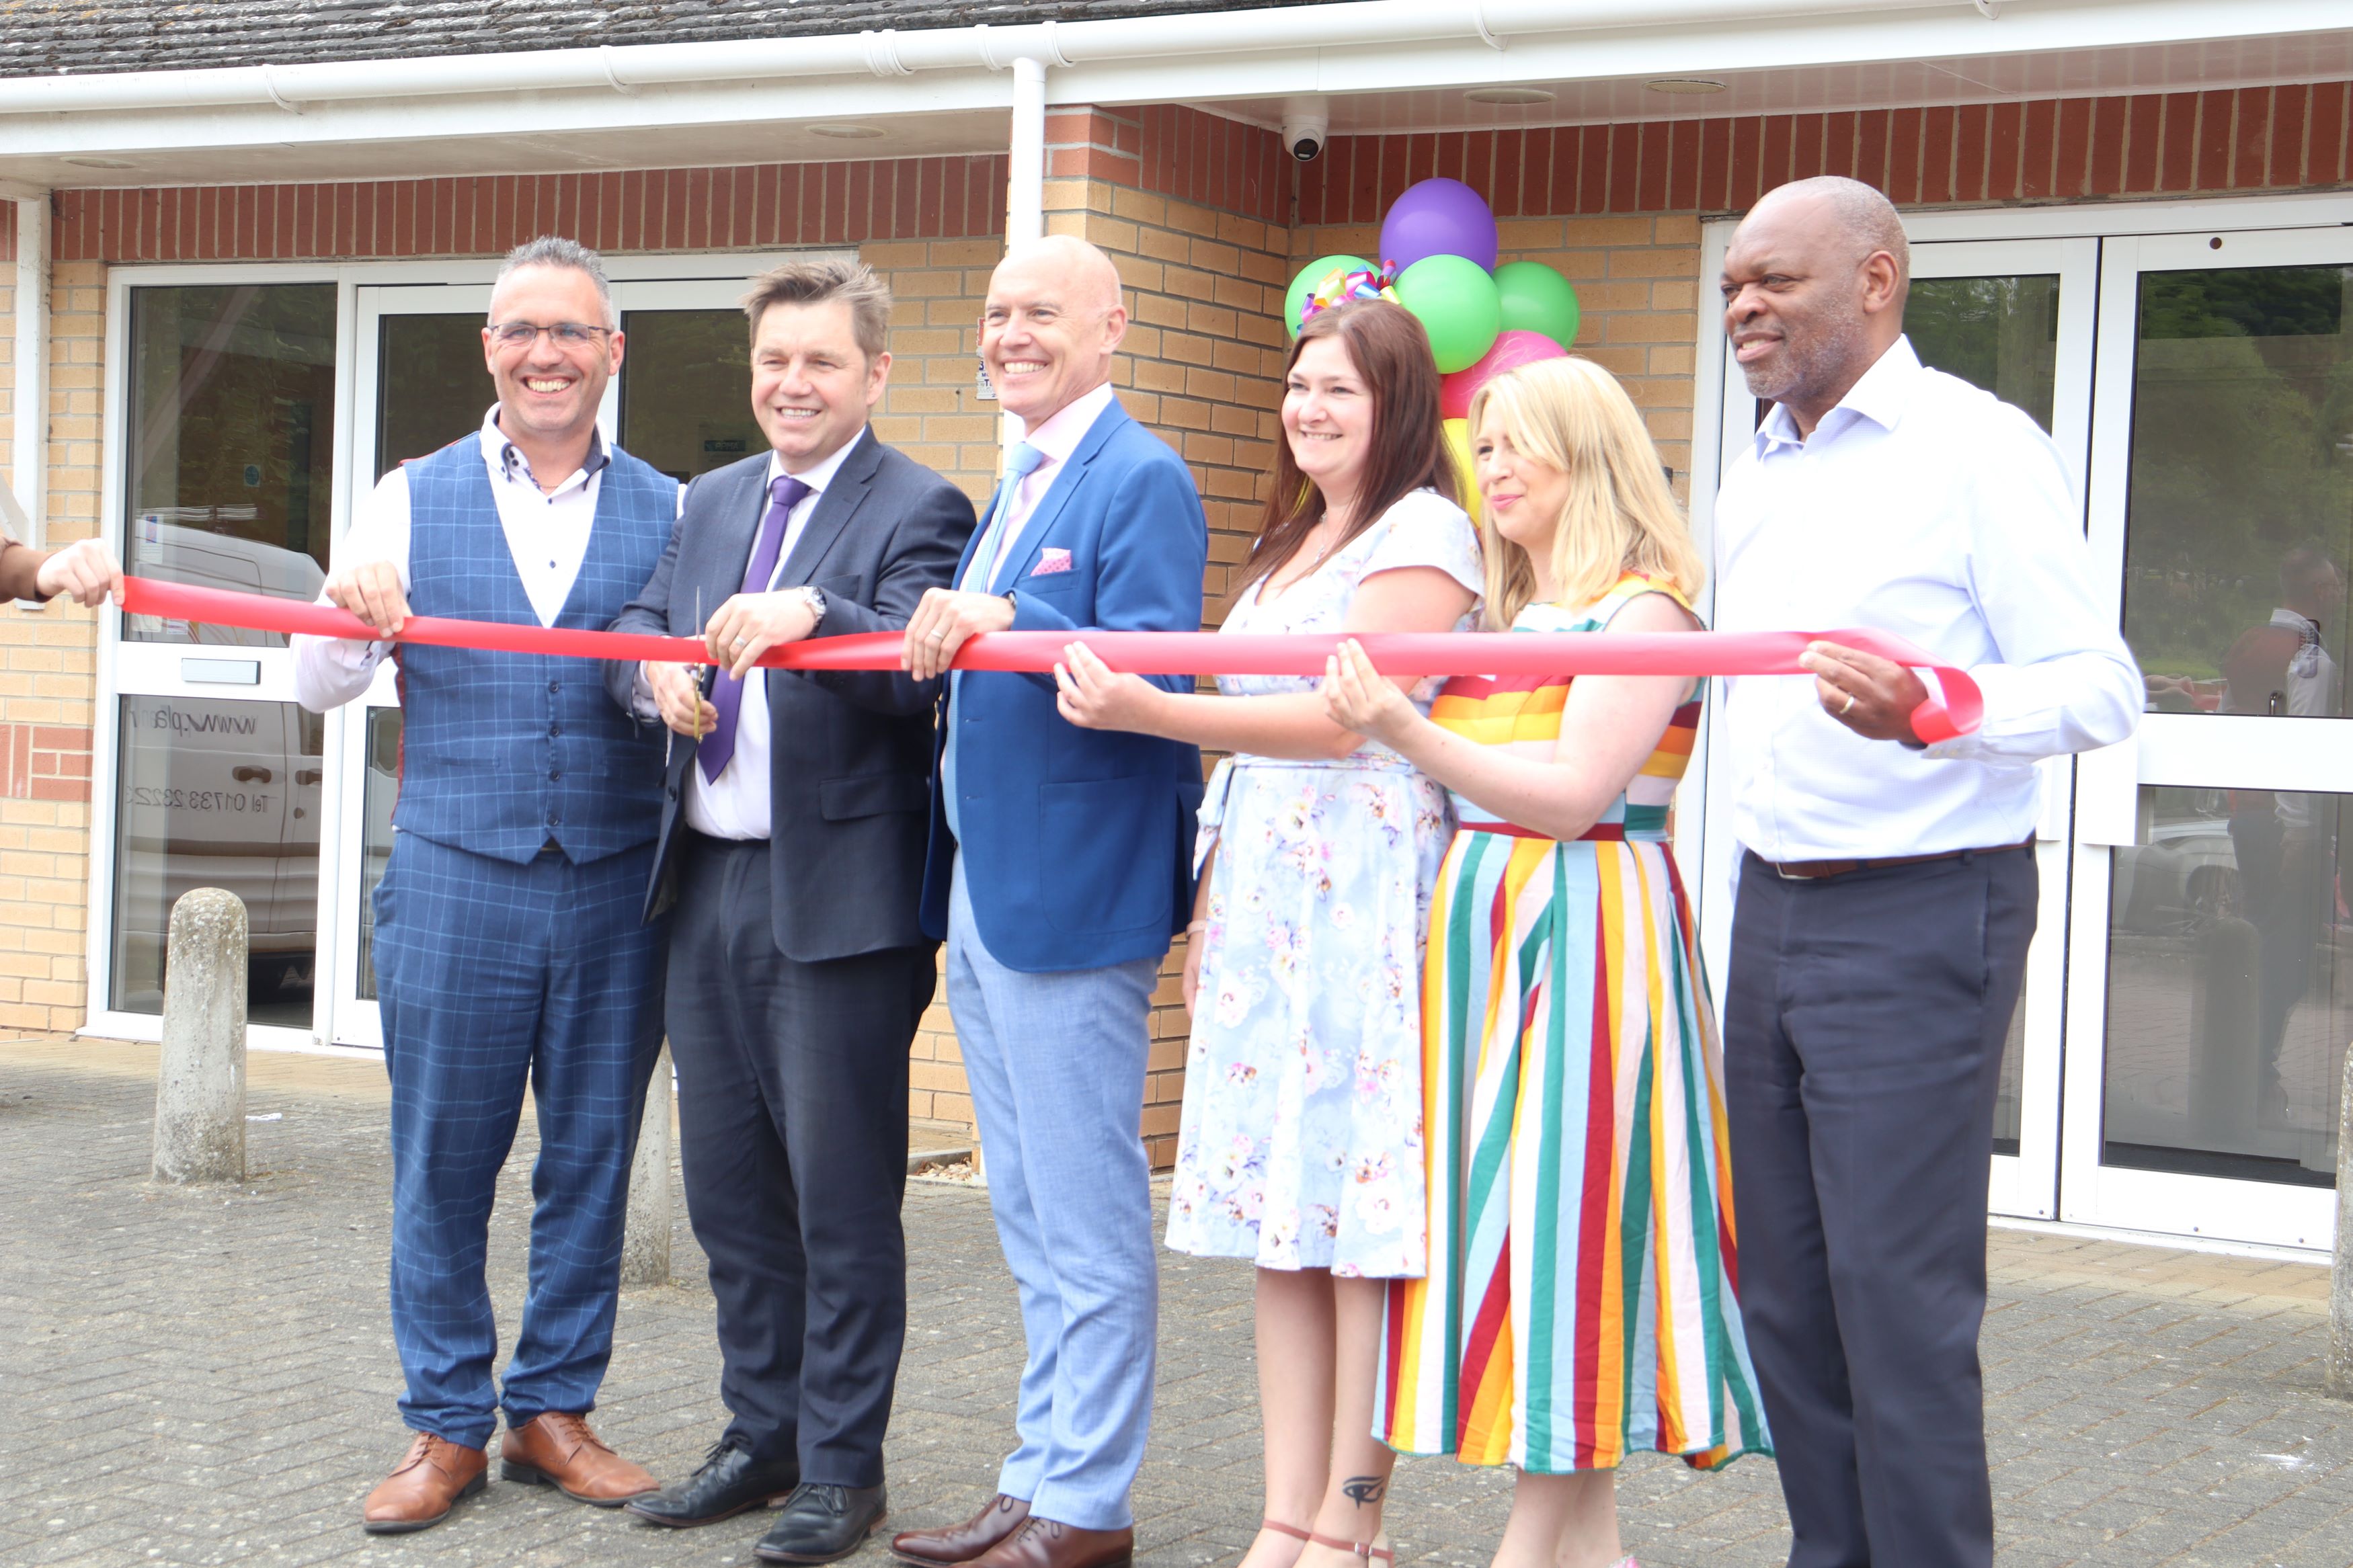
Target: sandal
column 1362, row 1551
column 1292, row 1530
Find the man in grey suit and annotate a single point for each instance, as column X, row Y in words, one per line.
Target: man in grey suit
column 792, row 842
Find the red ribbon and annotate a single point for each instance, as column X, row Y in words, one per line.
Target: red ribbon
column 1959, row 711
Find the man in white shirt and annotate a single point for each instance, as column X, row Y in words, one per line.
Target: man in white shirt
column 795, row 822
column 511, row 946
column 1887, row 890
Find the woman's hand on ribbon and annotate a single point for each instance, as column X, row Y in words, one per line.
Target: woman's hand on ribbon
column 1094, row 697
column 944, row 619
column 1358, row 697
column 1872, row 696
column 371, row 591
column 749, row 625
column 678, row 692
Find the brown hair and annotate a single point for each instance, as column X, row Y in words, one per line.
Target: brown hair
column 1391, row 354
column 827, row 277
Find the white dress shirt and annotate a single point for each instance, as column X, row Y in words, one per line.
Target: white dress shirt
column 737, row 804
column 547, row 534
column 1922, row 507
column 1055, row 440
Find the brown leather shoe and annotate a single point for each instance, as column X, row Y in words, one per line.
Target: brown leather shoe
column 558, row 1450
column 961, row 1542
column 423, row 1487
column 1051, row 1543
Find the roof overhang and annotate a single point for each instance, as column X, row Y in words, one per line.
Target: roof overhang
column 1386, row 65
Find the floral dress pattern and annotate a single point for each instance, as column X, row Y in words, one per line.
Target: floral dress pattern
column 1301, row 1146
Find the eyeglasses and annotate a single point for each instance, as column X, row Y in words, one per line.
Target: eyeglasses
column 522, row 335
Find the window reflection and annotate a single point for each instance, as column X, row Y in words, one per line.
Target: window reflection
column 2230, row 999
column 686, row 391
column 2240, row 507
column 433, row 387
column 1997, row 333
column 219, row 794
column 378, row 793
column 231, row 441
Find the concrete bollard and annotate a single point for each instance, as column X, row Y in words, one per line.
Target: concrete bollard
column 200, row 1083
column 2339, row 1371
column 645, row 1235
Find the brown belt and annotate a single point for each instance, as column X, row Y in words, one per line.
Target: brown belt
column 1812, row 870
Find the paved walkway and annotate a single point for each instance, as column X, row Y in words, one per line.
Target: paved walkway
column 206, row 1376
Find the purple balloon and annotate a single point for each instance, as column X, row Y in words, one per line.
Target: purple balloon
column 1439, row 218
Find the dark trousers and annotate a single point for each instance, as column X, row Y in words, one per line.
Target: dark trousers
column 1864, row 1022
column 792, row 1110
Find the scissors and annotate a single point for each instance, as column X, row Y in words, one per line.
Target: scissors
column 703, row 688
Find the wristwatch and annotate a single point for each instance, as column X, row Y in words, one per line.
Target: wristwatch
column 814, row 599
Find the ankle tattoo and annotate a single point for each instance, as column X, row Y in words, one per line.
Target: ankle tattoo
column 1364, row 1491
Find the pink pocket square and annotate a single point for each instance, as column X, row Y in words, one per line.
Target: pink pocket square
column 1050, row 562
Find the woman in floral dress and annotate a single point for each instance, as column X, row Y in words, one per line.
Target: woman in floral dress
column 1301, row 1144
column 1580, row 1302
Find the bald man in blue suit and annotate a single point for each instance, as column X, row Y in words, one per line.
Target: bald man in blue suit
column 1060, row 867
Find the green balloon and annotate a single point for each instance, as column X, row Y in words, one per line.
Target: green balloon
column 1537, row 299
column 1458, row 307
column 1310, row 278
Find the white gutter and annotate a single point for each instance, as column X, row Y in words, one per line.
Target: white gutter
column 28, row 436
column 1298, row 29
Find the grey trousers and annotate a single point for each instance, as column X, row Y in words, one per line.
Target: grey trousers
column 1864, row 1022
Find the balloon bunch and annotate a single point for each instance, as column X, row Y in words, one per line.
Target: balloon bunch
column 1440, row 248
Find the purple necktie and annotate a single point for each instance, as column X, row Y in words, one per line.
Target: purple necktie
column 785, row 492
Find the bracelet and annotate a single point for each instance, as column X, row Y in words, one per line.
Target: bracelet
column 1197, row 925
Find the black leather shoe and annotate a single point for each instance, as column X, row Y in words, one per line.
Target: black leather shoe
column 728, row 1482
column 820, row 1523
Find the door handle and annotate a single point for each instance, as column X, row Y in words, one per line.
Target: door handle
column 249, row 774
column 305, row 776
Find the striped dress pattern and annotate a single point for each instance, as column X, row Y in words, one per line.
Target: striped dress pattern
column 1581, row 1301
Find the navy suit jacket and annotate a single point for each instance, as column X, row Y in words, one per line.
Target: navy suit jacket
column 850, row 751
column 1079, row 842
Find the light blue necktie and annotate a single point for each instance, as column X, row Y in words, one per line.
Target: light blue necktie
column 1019, row 464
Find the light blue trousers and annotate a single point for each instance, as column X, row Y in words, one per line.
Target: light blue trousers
column 1056, row 1066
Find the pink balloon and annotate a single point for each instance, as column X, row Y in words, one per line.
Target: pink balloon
column 1511, row 350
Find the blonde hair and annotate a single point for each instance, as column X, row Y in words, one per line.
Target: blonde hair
column 1571, row 415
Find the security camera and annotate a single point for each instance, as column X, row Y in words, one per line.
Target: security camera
column 1306, row 126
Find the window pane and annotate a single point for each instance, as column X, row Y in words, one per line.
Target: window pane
column 2013, row 1075
column 2230, row 996
column 433, row 386
column 219, row 794
column 686, row 391
column 231, row 439
column 2241, row 506
column 381, row 788
column 1999, row 333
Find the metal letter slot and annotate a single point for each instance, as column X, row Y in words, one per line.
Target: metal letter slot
column 221, row 671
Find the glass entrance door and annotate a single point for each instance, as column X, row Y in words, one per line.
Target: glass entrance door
column 2213, row 972
column 216, row 777
column 2016, row 317
column 681, row 402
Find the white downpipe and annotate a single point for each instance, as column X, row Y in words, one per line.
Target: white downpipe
column 1025, row 192
column 1025, row 184
column 1304, row 29
column 28, row 436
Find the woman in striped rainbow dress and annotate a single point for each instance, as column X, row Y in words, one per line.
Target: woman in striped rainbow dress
column 1581, row 1299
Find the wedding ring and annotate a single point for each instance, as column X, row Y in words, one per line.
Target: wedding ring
column 939, row 636
column 1850, row 705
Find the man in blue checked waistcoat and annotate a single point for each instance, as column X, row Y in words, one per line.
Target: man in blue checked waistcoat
column 510, row 943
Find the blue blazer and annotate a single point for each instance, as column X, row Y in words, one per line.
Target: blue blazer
column 1079, row 842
